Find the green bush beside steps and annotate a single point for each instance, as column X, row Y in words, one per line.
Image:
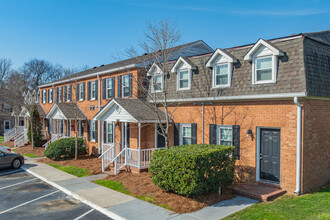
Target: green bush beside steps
column 64, row 148
column 193, row 169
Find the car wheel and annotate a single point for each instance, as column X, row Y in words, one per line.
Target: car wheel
column 16, row 163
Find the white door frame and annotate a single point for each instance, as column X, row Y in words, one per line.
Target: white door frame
column 4, row 127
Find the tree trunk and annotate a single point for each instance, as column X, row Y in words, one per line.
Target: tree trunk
column 32, row 133
column 76, row 141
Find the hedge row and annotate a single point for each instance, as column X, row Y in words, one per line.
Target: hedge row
column 193, row 169
column 64, row 148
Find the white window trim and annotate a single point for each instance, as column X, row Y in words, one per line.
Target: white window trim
column 51, row 96
column 189, row 79
column 254, row 69
column 81, row 91
column 122, row 86
column 67, row 93
column 230, row 72
column 218, row 133
column 108, row 132
column 107, row 88
column 158, row 73
column 60, row 97
column 4, row 125
column 92, row 131
column 93, row 83
column 44, row 96
column 181, row 131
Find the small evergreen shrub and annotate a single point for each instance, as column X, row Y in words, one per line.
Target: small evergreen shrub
column 193, row 169
column 64, row 148
column 36, row 126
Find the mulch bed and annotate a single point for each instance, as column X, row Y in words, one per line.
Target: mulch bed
column 7, row 144
column 140, row 184
column 38, row 151
column 93, row 164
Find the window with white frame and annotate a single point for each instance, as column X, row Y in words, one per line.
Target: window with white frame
column 186, row 134
column 184, row 79
column 81, row 91
column 225, row 135
column 93, row 90
column 109, row 88
column 221, row 75
column 60, row 94
column 125, row 86
column 93, row 130
column 157, row 82
column 263, row 71
column 51, row 96
column 44, row 96
column 109, row 132
column 68, row 93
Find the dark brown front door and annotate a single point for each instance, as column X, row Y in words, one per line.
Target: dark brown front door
column 270, row 148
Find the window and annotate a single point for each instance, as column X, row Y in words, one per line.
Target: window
column 263, row 69
column 61, row 127
column 7, row 124
column 157, row 82
column 225, row 135
column 93, row 130
column 30, row 99
column 184, row 80
column 92, row 107
column 51, row 96
column 109, row 132
column 93, row 90
column 109, row 88
column 60, row 94
column 44, row 96
column 68, row 93
column 221, row 75
column 68, row 128
column 125, row 86
column 186, row 134
column 81, row 128
column 81, row 91
column 7, row 107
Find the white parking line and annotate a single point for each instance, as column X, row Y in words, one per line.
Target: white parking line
column 25, row 203
column 84, row 214
column 5, row 187
column 10, row 172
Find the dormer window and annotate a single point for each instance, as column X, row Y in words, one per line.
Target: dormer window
column 264, row 57
column 156, row 74
column 157, row 82
column 221, row 63
column 183, row 68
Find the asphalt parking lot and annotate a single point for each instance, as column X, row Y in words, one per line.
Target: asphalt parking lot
column 23, row 196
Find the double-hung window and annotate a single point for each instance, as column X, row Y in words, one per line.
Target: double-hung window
column 125, row 86
column 51, row 96
column 157, row 82
column 81, row 91
column 221, row 75
column 109, row 88
column 60, row 94
column 186, row 134
column 93, row 90
column 93, row 130
column 184, row 79
column 68, row 93
column 225, row 135
column 263, row 69
column 109, row 132
column 44, row 96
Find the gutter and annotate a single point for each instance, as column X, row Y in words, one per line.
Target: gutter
column 298, row 166
column 89, row 75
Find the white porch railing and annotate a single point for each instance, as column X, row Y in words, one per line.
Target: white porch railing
column 138, row 158
column 21, row 139
column 9, row 134
column 54, row 137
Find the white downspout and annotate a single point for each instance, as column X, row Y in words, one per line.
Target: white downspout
column 298, row 171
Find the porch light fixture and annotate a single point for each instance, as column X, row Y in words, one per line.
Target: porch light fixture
column 248, row 133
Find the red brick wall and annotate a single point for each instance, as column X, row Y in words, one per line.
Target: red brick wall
column 316, row 144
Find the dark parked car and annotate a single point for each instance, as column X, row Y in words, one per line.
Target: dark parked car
column 10, row 159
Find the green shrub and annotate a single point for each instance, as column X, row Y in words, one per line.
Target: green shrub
column 64, row 148
column 36, row 127
column 193, row 169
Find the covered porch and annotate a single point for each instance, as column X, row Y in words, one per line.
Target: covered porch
column 128, row 134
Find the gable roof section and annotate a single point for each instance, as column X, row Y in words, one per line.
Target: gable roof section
column 221, row 52
column 182, row 60
column 261, row 42
column 189, row 49
column 139, row 110
column 321, row 36
column 151, row 69
column 68, row 110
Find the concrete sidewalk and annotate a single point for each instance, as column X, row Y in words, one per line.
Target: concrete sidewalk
column 120, row 206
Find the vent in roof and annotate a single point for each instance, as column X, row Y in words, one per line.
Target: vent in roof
column 94, row 67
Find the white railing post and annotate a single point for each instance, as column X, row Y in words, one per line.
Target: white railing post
column 125, row 132
column 139, row 152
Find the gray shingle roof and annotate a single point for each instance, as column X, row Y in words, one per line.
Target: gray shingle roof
column 40, row 109
column 71, row 110
column 141, row 110
column 321, row 36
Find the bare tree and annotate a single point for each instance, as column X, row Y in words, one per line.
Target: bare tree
column 38, row 71
column 5, row 68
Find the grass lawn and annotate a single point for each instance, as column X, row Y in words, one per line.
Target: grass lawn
column 79, row 172
column 31, row 155
column 118, row 186
column 1, row 139
column 310, row 206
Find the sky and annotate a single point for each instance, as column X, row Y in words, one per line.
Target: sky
column 75, row 33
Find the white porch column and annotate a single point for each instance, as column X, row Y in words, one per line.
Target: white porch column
column 101, row 136
column 125, row 132
column 155, row 131
column 139, row 155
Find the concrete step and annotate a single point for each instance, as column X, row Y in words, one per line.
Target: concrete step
column 260, row 191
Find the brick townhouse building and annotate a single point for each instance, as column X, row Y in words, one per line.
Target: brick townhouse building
column 270, row 99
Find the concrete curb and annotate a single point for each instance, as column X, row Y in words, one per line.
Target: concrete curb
column 68, row 192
